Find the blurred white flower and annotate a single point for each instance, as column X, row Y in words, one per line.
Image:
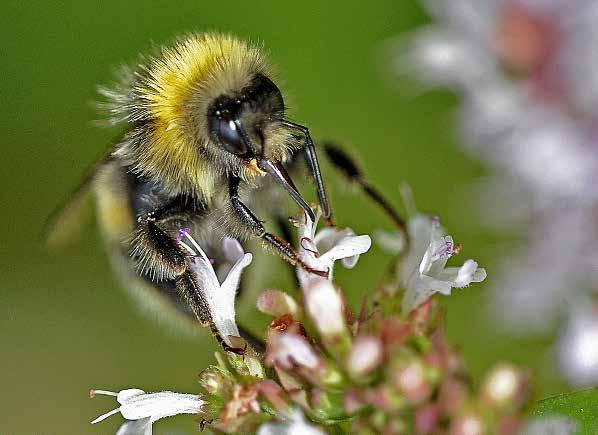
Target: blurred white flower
column 551, row 425
column 423, row 271
column 321, row 250
column 528, row 78
column 296, row 425
column 143, row 409
column 577, row 348
column 220, row 298
column 503, row 384
column 555, row 268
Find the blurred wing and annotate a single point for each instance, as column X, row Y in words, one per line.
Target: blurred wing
column 67, row 220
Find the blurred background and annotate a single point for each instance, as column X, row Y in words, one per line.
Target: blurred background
column 66, row 326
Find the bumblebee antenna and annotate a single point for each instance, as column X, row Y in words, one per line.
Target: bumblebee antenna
column 348, row 167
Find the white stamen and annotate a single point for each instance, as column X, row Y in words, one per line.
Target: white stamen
column 103, row 393
column 199, row 250
column 105, row 416
column 188, row 248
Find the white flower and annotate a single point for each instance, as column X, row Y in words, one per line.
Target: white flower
column 143, row 409
column 220, row 298
column 296, row 425
column 550, row 425
column 320, row 251
column 577, row 348
column 423, row 271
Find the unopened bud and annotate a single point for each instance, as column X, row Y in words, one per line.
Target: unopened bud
column 411, row 380
column 212, row 380
column 325, row 308
column 365, row 355
column 470, row 424
column 277, row 303
column 502, row 385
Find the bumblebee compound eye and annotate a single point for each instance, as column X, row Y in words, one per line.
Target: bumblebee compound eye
column 226, row 130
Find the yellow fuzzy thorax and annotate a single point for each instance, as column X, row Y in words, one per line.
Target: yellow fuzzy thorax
column 178, row 87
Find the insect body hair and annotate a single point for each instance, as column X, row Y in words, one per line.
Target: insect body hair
column 165, row 100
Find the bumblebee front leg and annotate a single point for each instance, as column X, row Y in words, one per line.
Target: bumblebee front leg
column 256, row 228
column 312, row 160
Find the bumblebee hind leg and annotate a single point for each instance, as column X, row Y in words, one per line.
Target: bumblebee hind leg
column 154, row 252
column 159, row 258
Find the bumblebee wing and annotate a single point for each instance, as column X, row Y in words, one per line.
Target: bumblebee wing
column 68, row 219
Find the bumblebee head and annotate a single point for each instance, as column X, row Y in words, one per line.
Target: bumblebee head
column 239, row 123
column 249, row 126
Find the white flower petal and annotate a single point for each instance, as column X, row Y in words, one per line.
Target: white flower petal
column 414, row 297
column 350, row 262
column 423, row 271
column 348, row 247
column 232, row 249
column 577, row 347
column 437, row 285
column 138, row 405
column 550, row 425
column 219, row 297
column 391, row 242
column 419, row 228
column 160, row 405
column 204, row 271
column 466, row 273
column 126, row 395
column 320, row 251
column 222, row 301
column 142, row 426
column 307, row 228
column 297, row 425
column 479, row 275
column 327, row 237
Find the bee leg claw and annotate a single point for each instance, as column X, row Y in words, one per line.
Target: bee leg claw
column 322, row 273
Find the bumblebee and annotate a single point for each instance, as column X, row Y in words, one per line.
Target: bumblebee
column 205, row 127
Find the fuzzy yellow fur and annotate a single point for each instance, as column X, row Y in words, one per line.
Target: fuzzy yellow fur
column 178, row 87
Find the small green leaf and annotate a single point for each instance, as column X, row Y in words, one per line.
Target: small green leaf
column 581, row 407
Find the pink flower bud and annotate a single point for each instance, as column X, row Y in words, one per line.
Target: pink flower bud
column 411, row 381
column 470, row 424
column 503, row 385
column 277, row 303
column 325, row 307
column 427, row 419
column 365, row 355
column 288, row 349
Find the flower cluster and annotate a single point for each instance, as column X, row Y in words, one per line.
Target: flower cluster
column 387, row 369
column 527, row 75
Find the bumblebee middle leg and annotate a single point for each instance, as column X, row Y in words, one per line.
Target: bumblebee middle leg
column 256, row 228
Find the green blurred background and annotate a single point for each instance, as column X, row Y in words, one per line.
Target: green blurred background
column 65, row 325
